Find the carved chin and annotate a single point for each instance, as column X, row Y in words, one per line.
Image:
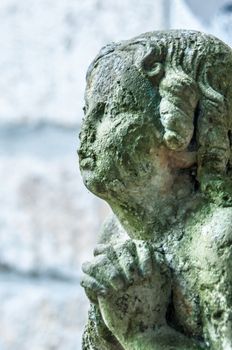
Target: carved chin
column 94, row 183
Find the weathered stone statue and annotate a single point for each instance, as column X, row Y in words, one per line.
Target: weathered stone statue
column 156, row 145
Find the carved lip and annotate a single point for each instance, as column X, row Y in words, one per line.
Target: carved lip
column 87, row 163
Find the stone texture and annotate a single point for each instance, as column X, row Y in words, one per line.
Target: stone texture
column 212, row 18
column 46, row 47
column 40, row 314
column 48, row 222
column 155, row 144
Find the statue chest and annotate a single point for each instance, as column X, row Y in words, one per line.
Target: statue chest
column 201, row 264
column 185, row 309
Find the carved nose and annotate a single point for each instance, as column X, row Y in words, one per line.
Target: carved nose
column 80, row 153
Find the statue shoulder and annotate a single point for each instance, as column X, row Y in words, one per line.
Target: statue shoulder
column 210, row 250
column 111, row 231
column 218, row 227
column 212, row 238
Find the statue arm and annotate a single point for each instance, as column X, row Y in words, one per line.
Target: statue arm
column 96, row 335
column 116, row 319
column 161, row 339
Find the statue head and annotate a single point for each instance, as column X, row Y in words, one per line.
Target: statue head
column 157, row 106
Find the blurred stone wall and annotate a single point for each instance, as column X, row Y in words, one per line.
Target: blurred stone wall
column 48, row 220
column 47, row 45
column 212, row 16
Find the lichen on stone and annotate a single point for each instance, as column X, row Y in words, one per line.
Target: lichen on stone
column 156, row 145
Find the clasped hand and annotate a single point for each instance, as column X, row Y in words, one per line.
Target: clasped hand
column 131, row 284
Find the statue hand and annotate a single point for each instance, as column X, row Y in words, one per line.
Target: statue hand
column 132, row 286
column 116, row 267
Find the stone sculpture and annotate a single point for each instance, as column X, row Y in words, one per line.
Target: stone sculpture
column 156, row 145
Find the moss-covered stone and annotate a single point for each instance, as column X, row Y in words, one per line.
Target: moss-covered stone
column 156, row 145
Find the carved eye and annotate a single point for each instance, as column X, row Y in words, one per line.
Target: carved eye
column 100, row 110
column 96, row 112
column 126, row 100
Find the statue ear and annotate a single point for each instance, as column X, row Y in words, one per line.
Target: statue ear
column 152, row 67
column 156, row 69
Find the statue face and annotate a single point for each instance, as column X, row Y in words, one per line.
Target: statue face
column 121, row 134
column 119, row 127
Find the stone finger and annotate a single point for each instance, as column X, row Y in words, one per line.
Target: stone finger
column 91, row 283
column 93, row 288
column 117, row 280
column 105, row 272
column 101, row 249
column 128, row 260
column 96, row 268
column 145, row 260
column 116, row 276
column 88, row 268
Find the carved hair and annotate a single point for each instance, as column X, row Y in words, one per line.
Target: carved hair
column 194, row 105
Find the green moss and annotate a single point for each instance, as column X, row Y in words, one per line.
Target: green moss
column 156, row 145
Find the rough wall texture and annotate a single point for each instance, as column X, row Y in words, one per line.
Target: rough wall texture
column 46, row 47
